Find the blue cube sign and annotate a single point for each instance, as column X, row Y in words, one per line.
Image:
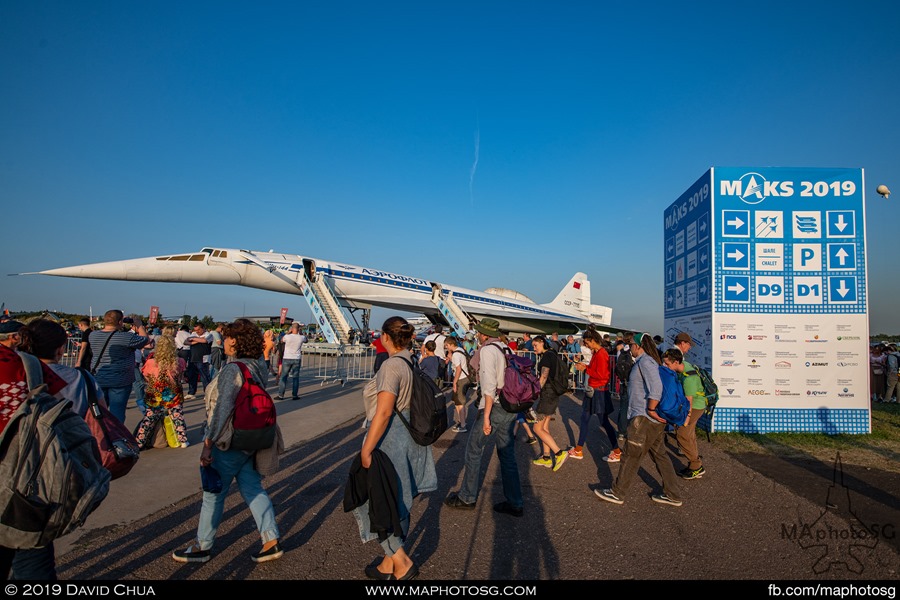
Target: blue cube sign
column 765, row 268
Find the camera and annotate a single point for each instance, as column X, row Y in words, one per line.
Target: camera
column 128, row 320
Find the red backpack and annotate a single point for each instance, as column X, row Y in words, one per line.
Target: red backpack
column 254, row 415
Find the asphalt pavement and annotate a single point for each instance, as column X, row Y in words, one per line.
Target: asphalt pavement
column 735, row 522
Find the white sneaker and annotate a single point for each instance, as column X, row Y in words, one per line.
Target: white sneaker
column 185, row 444
column 189, row 396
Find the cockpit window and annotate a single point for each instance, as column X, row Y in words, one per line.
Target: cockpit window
column 207, row 250
column 196, row 257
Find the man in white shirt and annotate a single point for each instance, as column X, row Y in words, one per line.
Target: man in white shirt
column 290, row 362
column 493, row 420
column 183, row 349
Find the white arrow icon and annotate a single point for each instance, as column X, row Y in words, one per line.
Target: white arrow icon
column 737, row 255
column 841, row 255
column 843, row 289
column 840, row 223
column 703, row 226
column 703, row 257
column 703, row 290
column 737, row 288
column 735, row 222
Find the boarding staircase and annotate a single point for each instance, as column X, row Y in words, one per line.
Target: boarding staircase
column 325, row 308
column 450, row 310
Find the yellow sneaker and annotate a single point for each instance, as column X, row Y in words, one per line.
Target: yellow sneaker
column 560, row 459
column 544, row 461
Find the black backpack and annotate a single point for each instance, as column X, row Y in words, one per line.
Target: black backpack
column 427, row 408
column 624, row 362
column 560, row 383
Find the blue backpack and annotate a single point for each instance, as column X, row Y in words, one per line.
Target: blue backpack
column 674, row 406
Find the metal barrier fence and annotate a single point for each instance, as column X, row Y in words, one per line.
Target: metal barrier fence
column 70, row 356
column 337, row 363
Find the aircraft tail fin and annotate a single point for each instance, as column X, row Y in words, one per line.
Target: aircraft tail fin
column 576, row 295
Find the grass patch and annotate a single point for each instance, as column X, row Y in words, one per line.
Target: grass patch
column 879, row 449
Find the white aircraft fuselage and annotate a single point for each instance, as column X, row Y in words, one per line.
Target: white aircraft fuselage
column 353, row 286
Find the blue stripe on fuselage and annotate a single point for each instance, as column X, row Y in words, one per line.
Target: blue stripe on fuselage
column 424, row 289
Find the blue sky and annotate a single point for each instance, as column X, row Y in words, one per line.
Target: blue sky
column 504, row 144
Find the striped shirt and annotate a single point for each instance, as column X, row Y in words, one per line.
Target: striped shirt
column 115, row 366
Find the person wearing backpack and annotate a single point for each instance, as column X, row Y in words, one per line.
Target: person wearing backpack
column 36, row 564
column 552, row 372
column 243, row 343
column 646, row 429
column 459, row 362
column 596, row 396
column 624, row 364
column 389, row 395
column 490, row 363
column 693, row 389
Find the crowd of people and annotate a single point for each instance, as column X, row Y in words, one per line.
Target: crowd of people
column 630, row 365
column 123, row 358
column 162, row 368
column 884, row 360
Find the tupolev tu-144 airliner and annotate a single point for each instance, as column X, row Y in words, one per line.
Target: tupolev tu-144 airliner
column 355, row 287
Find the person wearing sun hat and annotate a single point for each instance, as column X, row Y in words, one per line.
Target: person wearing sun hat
column 490, row 362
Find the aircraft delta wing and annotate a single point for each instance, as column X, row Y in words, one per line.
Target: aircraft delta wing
column 354, row 287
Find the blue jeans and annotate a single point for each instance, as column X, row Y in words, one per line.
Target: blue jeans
column 235, row 464
column 36, row 564
column 194, row 370
column 139, row 387
column 216, row 362
column 117, row 400
column 290, row 367
column 502, row 424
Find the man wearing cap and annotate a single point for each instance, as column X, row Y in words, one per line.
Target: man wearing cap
column 687, row 434
column 35, row 563
column 490, row 361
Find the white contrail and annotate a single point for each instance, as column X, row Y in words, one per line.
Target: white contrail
column 474, row 166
